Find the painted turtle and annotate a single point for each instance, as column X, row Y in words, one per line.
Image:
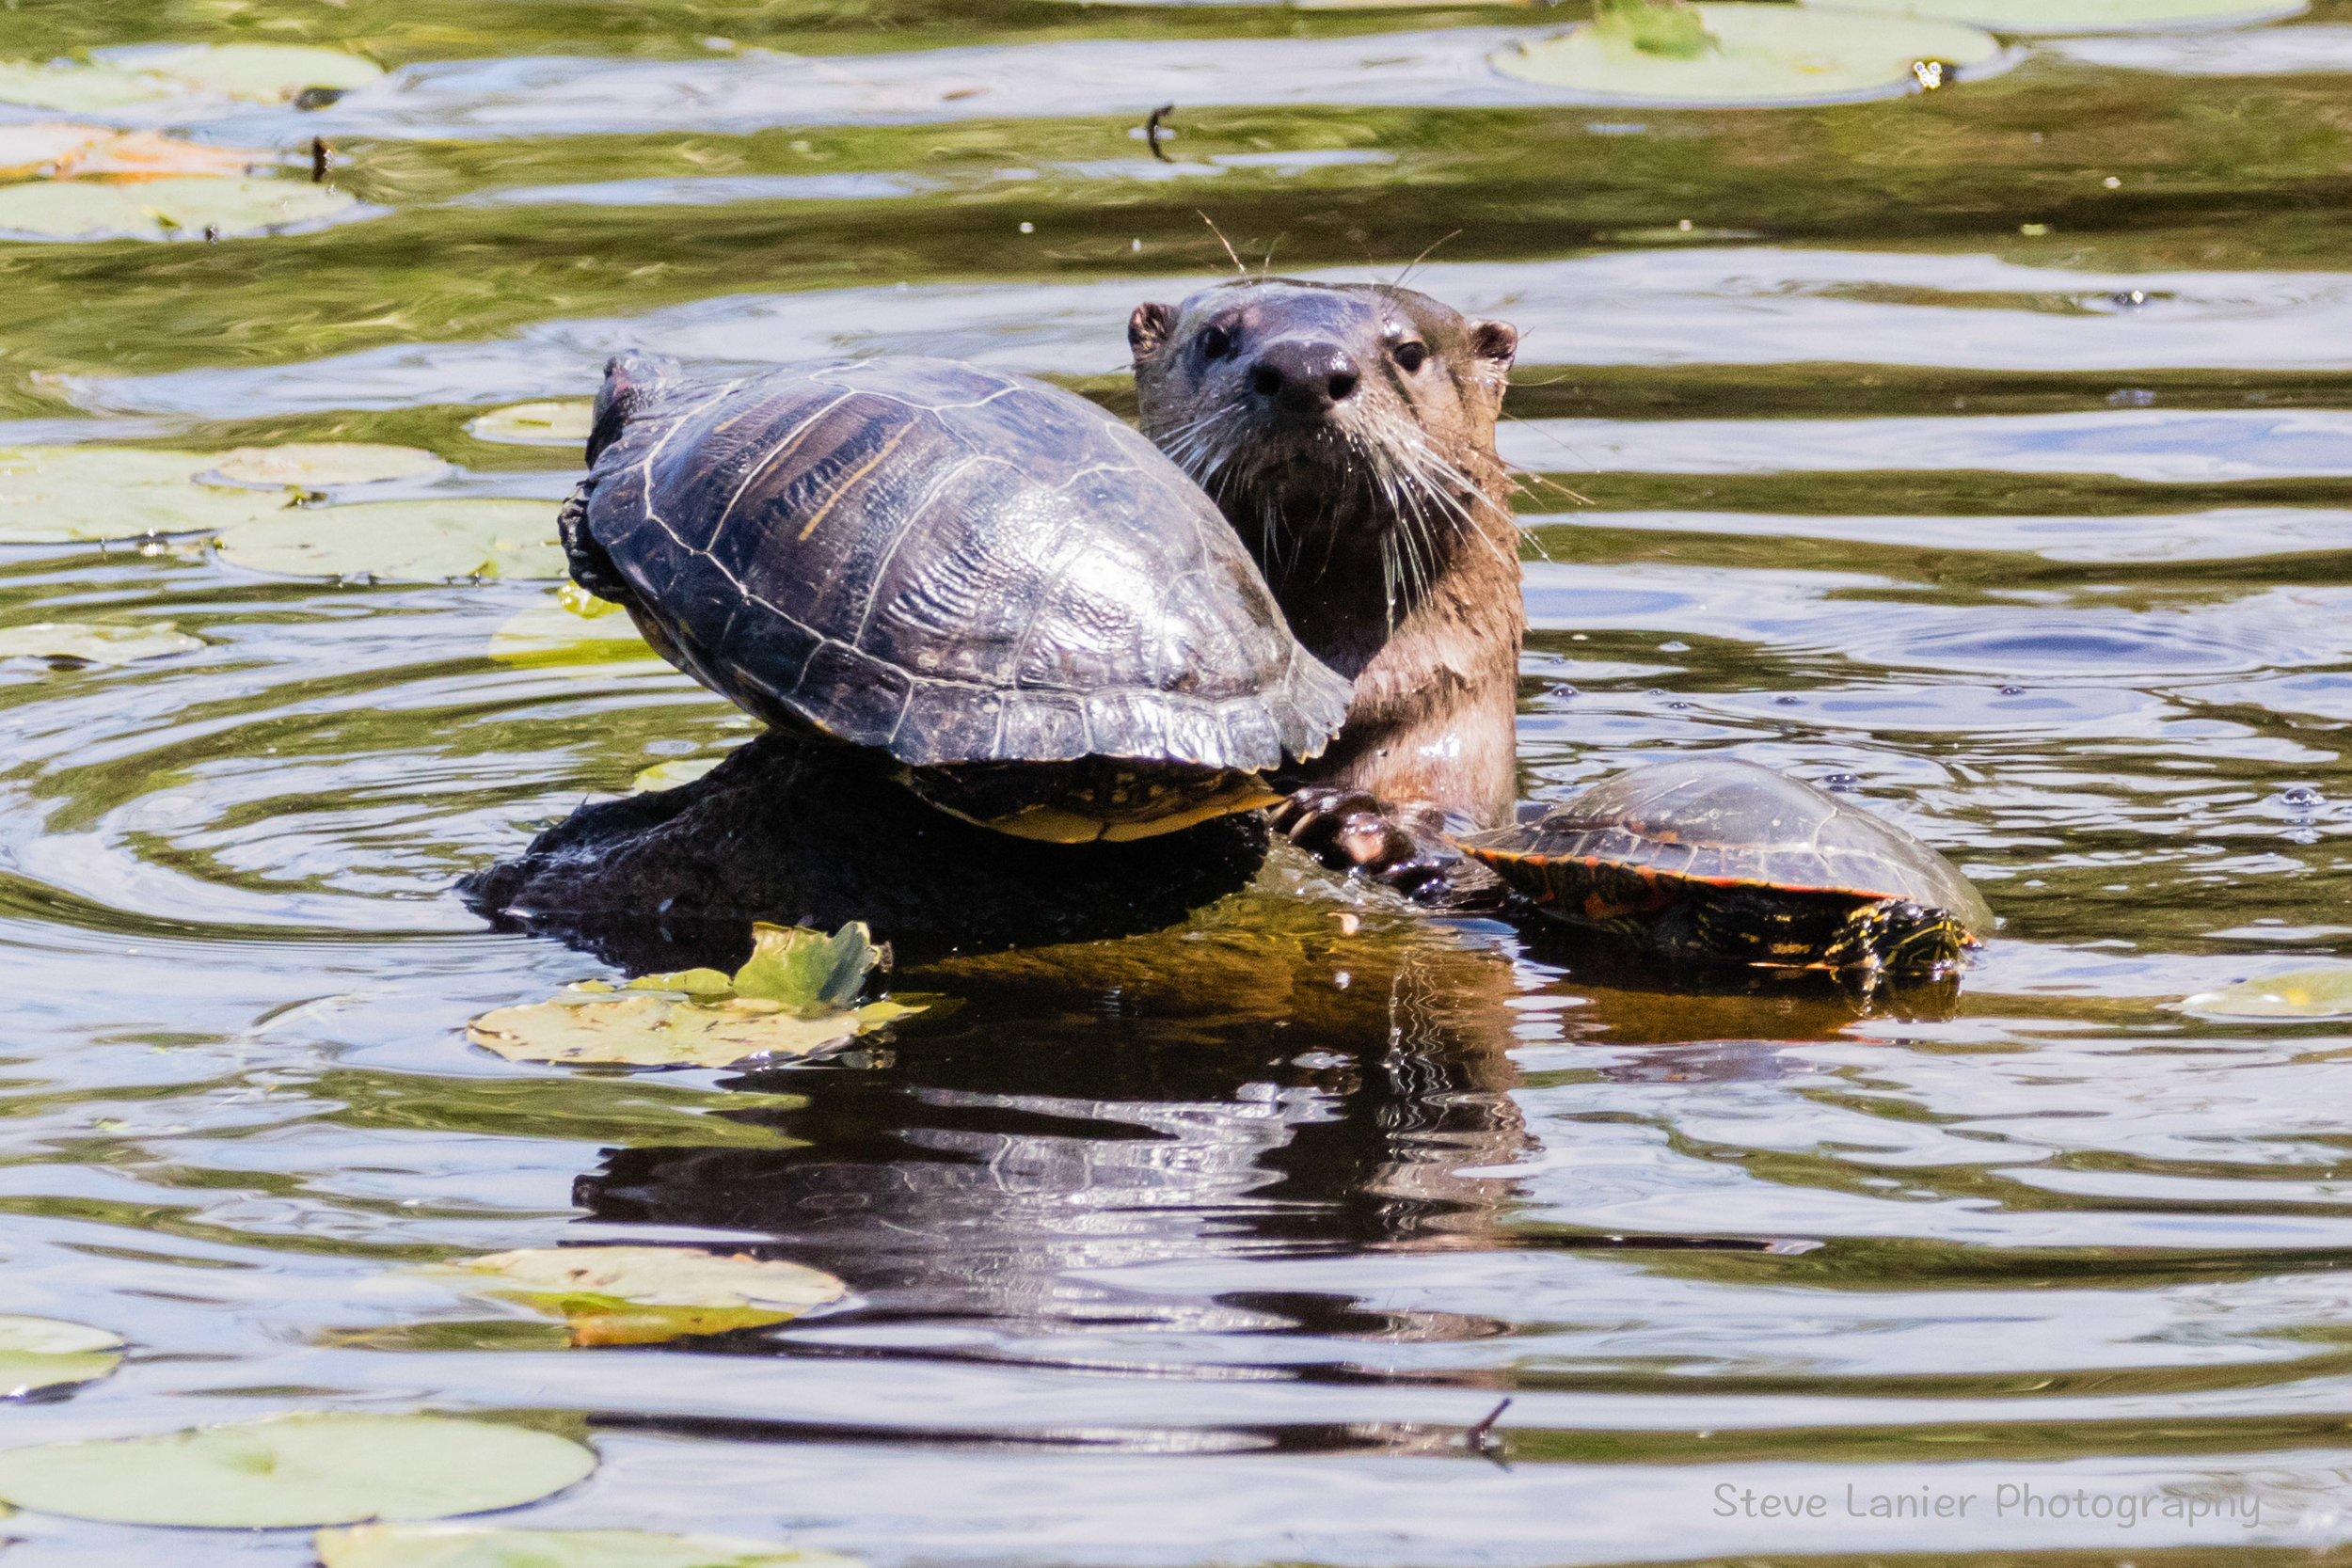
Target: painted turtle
column 1033, row 616
column 1717, row 861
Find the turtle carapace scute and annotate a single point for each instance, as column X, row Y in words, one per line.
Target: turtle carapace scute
column 1037, row 618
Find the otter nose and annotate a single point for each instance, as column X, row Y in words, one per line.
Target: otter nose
column 1302, row 376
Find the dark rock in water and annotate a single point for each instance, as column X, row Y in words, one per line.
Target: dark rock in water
column 804, row 832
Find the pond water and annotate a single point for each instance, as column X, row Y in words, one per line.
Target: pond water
column 1986, row 446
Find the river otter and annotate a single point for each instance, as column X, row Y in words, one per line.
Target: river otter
column 1347, row 431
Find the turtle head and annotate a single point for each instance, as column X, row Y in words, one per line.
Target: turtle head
column 631, row 379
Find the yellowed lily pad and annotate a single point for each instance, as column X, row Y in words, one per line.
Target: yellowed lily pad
column 789, row 999
column 638, row 1295
column 319, row 465
column 535, row 424
column 50, row 1352
column 419, row 540
column 124, row 79
column 648, row 1029
column 179, row 209
column 1758, row 54
column 572, row 629
column 2305, row 993
column 669, row 775
column 53, row 151
column 311, row 1468
column 65, row 495
column 92, row 643
column 2041, row 17
column 481, row 1546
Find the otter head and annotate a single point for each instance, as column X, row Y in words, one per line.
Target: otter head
column 1318, row 411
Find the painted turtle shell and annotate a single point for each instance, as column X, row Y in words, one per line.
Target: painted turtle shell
column 1044, row 624
column 1713, row 859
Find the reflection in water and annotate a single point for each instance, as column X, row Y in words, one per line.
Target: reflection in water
column 1260, row 1084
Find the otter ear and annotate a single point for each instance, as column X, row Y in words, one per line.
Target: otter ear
column 1147, row 329
column 1497, row 341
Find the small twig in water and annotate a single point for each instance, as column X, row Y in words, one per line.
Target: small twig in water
column 322, row 159
column 1223, row 241
column 1481, row 1437
column 1151, row 131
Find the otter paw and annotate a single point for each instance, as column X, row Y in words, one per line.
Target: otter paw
column 1350, row 830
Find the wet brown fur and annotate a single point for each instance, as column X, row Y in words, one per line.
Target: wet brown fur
column 1379, row 515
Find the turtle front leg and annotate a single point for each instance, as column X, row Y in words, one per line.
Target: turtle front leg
column 1401, row 845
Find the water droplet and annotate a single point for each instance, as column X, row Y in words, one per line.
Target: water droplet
column 1674, row 647
column 2012, row 692
column 1841, row 780
column 1789, row 701
column 2301, row 795
column 1028, row 228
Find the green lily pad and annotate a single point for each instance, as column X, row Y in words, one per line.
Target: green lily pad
column 654, row 1029
column 1761, row 54
column 537, row 424
column 480, row 1546
column 319, row 465
column 261, row 72
column 574, row 630
column 2306, row 993
column 50, row 1352
column 165, row 209
column 2034, row 17
column 95, row 644
column 419, row 540
column 311, row 1468
column 639, row 1295
column 669, row 775
column 805, row 970
column 66, row 495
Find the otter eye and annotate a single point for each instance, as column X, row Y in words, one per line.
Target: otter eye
column 1216, row 342
column 1409, row 356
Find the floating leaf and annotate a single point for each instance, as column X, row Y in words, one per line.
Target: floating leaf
column 165, row 209
column 2306, row 993
column 2082, row 16
column 95, row 644
column 691, row 982
column 669, row 775
column 128, row 78
column 49, row 1352
column 1766, row 55
column 807, row 971
column 639, row 1295
column 537, row 424
column 312, row 1468
column 419, row 541
column 481, row 1546
column 319, row 464
column 44, row 146
column 787, row 1000
column 652, row 1029
column 571, row 628
column 62, row 495
column 152, row 156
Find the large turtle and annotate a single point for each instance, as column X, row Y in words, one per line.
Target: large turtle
column 1040, row 622
column 1712, row 860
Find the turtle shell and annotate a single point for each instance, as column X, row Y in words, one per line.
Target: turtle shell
column 1769, row 869
column 968, row 571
